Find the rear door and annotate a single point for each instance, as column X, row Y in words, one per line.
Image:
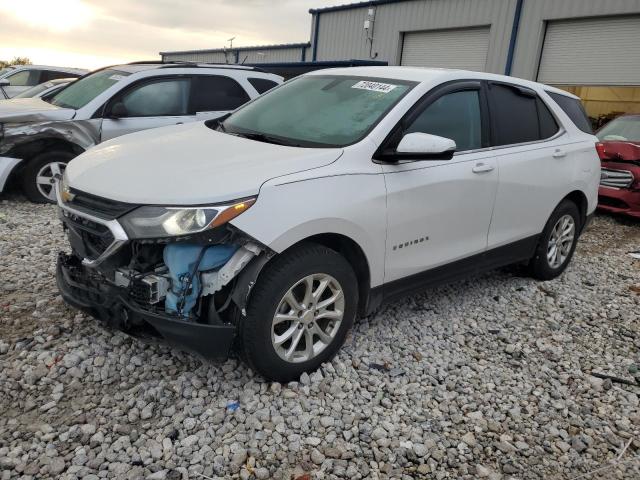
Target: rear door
column 213, row 96
column 439, row 211
column 153, row 103
column 536, row 159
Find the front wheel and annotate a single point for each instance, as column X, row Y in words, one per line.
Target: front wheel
column 39, row 176
column 557, row 242
column 299, row 313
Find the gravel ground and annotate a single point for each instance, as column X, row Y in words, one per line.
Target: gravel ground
column 487, row 378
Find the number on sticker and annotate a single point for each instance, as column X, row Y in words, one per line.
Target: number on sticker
column 374, row 86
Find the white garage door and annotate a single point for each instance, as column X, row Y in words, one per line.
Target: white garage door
column 592, row 52
column 460, row 48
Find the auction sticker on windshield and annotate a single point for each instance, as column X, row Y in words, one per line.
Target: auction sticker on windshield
column 374, row 86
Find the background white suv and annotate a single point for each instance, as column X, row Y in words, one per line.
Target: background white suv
column 16, row 79
column 323, row 198
column 38, row 136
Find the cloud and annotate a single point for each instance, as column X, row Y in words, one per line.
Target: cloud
column 122, row 30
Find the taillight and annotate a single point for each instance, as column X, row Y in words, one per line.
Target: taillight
column 602, row 151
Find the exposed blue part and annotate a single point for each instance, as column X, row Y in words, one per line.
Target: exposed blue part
column 514, row 37
column 316, row 36
column 181, row 260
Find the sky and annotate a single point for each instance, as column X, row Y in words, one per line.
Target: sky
column 94, row 33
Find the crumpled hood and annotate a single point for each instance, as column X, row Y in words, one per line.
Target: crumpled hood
column 187, row 165
column 22, row 110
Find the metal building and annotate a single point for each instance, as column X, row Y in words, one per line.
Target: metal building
column 288, row 52
column 590, row 47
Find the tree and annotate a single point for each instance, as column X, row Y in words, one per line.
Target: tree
column 15, row 61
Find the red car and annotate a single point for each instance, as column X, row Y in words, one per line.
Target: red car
column 619, row 151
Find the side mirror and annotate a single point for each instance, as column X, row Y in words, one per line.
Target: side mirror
column 424, row 146
column 4, row 83
column 118, row 110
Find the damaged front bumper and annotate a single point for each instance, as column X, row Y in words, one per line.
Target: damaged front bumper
column 191, row 290
column 82, row 289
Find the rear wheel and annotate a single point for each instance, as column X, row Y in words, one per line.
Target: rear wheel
column 557, row 242
column 300, row 311
column 38, row 177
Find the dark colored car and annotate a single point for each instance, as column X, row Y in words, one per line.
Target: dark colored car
column 620, row 156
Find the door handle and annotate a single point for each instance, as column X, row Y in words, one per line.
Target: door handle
column 179, row 123
column 559, row 153
column 482, row 168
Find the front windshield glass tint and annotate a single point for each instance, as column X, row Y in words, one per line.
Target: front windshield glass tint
column 319, row 110
column 621, row 129
column 4, row 70
column 82, row 91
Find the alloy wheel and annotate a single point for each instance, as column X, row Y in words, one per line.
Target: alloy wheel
column 560, row 241
column 308, row 318
column 46, row 179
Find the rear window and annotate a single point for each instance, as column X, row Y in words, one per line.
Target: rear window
column 574, row 110
column 262, row 84
column 519, row 116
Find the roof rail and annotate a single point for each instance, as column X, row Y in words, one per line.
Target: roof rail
column 185, row 63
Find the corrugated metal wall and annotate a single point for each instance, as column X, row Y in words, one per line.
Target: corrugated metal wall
column 261, row 55
column 342, row 35
column 203, row 57
column 276, row 55
column 536, row 13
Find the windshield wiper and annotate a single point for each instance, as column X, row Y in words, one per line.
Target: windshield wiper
column 261, row 137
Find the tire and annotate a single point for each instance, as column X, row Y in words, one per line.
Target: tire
column 261, row 341
column 41, row 167
column 545, row 265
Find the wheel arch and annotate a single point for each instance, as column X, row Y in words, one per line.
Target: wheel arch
column 580, row 199
column 28, row 150
column 352, row 253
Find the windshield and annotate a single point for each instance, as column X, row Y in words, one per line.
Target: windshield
column 621, row 129
column 4, row 70
column 318, row 111
column 82, row 91
column 34, row 91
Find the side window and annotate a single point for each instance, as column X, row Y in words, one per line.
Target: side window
column 454, row 115
column 574, row 110
column 48, row 75
column 166, row 97
column 519, row 116
column 216, row 93
column 262, row 84
column 24, row 78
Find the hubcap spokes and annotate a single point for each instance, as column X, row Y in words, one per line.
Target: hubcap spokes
column 46, row 179
column 307, row 318
column 561, row 241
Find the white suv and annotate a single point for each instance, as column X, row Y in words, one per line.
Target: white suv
column 38, row 136
column 318, row 201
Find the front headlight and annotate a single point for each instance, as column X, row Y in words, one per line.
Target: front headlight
column 157, row 222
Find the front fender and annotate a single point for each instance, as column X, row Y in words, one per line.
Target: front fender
column 350, row 205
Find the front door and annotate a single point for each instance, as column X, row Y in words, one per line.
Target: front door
column 156, row 103
column 439, row 211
